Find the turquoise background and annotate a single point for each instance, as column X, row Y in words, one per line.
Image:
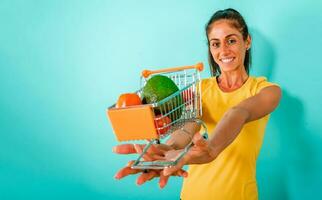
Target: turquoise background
column 62, row 63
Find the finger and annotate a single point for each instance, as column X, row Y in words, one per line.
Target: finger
column 158, row 149
column 161, row 148
column 125, row 171
column 172, row 155
column 153, row 157
column 198, row 140
column 182, row 173
column 164, row 147
column 172, row 169
column 144, row 177
column 163, row 180
column 124, row 149
column 138, row 148
column 152, row 154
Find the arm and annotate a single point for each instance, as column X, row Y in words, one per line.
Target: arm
column 229, row 127
column 248, row 110
column 205, row 151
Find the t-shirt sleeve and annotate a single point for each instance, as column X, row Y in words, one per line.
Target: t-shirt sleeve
column 203, row 85
column 263, row 83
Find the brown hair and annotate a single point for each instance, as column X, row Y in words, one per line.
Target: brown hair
column 239, row 23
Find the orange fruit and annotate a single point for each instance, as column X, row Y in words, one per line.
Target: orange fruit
column 128, row 99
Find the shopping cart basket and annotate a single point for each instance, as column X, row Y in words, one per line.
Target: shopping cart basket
column 157, row 121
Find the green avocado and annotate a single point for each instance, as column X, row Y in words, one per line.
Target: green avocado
column 159, row 87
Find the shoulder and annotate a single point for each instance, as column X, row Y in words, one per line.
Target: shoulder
column 264, row 99
column 207, row 80
column 207, row 83
column 259, row 83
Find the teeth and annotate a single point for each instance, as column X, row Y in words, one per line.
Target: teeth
column 227, row 60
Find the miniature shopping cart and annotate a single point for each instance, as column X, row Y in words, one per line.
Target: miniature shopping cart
column 157, row 121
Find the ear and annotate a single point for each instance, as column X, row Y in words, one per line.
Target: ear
column 248, row 42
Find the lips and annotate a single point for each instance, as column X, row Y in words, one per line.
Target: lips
column 227, row 60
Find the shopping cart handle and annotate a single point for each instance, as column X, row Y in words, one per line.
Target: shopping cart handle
column 147, row 73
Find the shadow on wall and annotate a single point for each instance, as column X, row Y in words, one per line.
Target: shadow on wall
column 263, row 55
column 271, row 178
column 296, row 158
column 297, row 155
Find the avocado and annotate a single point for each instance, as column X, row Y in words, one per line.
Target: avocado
column 159, row 87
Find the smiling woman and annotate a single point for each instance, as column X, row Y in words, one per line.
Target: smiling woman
column 236, row 108
column 229, row 45
column 228, row 48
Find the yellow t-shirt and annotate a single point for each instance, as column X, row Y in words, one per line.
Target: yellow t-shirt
column 232, row 175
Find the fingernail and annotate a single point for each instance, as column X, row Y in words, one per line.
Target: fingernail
column 139, row 182
column 137, row 148
column 117, row 176
column 185, row 174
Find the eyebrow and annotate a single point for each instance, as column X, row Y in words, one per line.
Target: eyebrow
column 225, row 37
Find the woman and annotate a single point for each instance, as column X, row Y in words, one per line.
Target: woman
column 236, row 109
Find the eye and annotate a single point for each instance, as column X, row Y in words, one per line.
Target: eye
column 231, row 41
column 215, row 45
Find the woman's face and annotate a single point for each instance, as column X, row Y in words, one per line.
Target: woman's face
column 227, row 46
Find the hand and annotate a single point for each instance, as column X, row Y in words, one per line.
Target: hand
column 155, row 152
column 201, row 152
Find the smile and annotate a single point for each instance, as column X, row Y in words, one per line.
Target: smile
column 227, row 60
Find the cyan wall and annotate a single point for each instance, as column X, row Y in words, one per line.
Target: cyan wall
column 63, row 62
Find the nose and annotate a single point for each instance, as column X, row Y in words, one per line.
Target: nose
column 224, row 49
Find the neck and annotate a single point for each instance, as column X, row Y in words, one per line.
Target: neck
column 229, row 81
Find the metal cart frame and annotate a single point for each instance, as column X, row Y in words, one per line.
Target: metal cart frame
column 157, row 121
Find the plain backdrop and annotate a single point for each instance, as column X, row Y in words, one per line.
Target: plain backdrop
column 62, row 63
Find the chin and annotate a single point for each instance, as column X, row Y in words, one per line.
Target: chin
column 228, row 68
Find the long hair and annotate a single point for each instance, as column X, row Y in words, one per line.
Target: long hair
column 239, row 23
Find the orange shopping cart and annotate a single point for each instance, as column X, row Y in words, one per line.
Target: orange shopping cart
column 142, row 122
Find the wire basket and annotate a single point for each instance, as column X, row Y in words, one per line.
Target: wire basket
column 155, row 122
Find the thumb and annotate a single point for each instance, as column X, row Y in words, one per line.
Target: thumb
column 199, row 140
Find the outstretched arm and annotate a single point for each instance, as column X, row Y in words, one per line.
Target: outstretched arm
column 229, row 126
